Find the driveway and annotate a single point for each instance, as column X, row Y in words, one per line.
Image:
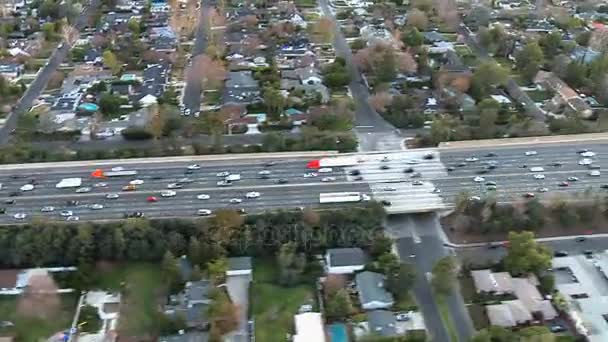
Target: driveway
column 238, row 290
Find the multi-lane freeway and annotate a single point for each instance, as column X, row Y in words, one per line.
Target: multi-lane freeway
column 405, row 181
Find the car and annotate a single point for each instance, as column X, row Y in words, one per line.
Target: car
column 358, row 178
column 96, row 206
column 482, row 171
column 19, row 216
column 474, row 198
column 385, row 159
column 491, row 167
column 572, row 179
column 252, row 194
column 264, row 173
column 471, row 159
column 185, row 180
column 557, row 328
column 539, row 176
column 604, row 186
column 112, row 196
column 436, row 191
column 224, row 183
column 235, row 200
column 47, row 209
column 270, row 163
column 416, row 175
column 129, row 187
column 450, row 168
column 66, row 213
column 583, row 150
column 478, row 179
column 100, row 185
column 325, row 170
column 72, row 203
column 490, row 154
column 461, row 164
column 491, row 187
column 529, row 195
column 72, row 218
column 366, row 198
column 27, row 187
column 9, row 201
column 523, row 166
column 588, row 253
column 537, row 169
column 157, row 177
column 594, row 173
column 593, row 167
column 530, row 153
column 556, row 164
column 581, row 239
column 264, row 176
column 403, row 316
column 354, row 172
column 203, row 197
column 175, row 186
column 413, row 162
column 417, row 182
column 2, row 210
column 560, row 254
column 384, row 167
column 151, row 199
column 585, row 161
column 168, row 193
column 310, row 174
column 223, row 174
column 429, row 156
column 542, row 189
column 83, row 190
column 203, row 212
column 388, row 188
column 563, row 184
column 117, row 168
column 134, row 214
column 188, row 172
column 194, row 167
column 136, row 182
column 282, row 181
column 386, row 203
column 13, row 194
column 328, row 179
column 587, row 154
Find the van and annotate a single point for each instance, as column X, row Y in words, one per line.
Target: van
column 537, row 169
column 325, row 170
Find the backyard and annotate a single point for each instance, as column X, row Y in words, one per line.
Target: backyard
column 32, row 328
column 273, row 306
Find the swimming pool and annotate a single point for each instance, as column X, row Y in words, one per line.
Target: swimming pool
column 337, row 332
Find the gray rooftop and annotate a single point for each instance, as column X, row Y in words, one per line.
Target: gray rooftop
column 382, row 322
column 187, row 337
column 346, row 257
column 239, row 264
column 371, row 288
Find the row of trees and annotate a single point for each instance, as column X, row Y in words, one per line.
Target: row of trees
column 43, row 243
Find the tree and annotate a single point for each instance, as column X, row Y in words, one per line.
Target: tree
column 380, row 245
column 525, row 255
column 325, row 28
column 226, row 223
column 275, row 103
column 134, row 26
column 529, row 60
column 156, row 125
column 111, row 62
column 418, row 19
column 216, row 270
column 488, row 114
column 444, row 275
column 169, row 270
column 211, row 72
column 406, row 63
column 291, row 264
column 109, row 104
column 48, row 29
column 223, row 315
column 412, row 38
column 481, row 15
column 338, row 304
column 487, row 76
column 388, row 263
column 551, row 43
column 401, row 281
column 535, row 213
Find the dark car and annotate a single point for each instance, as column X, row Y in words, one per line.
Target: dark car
column 134, row 214
column 358, row 178
column 416, row 175
column 9, row 201
column 264, row 176
column 564, row 184
column 354, row 172
column 482, row 171
column 604, row 186
column 557, row 328
column 188, row 172
column 491, row 154
column 14, row 194
column 386, row 203
column 581, row 239
column 461, row 164
column 491, row 167
column 282, row 181
column 556, row 164
column 2, row 210
column 384, row 167
column 450, row 168
column 429, row 156
column 72, row 203
column 593, row 167
column 157, row 177
column 270, row 163
column 408, row 170
column 560, row 254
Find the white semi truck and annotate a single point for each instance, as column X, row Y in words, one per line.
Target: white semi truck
column 342, row 197
column 69, row 183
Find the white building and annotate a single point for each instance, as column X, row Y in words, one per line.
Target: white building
column 309, row 327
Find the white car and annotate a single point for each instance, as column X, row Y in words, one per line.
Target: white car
column 539, row 176
column 531, row 153
column 366, row 198
column 585, row 161
column 73, row 218
column 136, row 182
column 235, row 200
column 543, row 189
column 413, row 162
column 83, row 190
column 194, row 167
column 471, row 159
column 252, row 194
column 310, row 174
column 328, row 179
column 47, row 209
column 572, row 179
column 223, row 174
column 174, row 186
column 168, row 193
column 475, row 198
column 96, row 206
column 537, row 169
column 203, row 212
column 224, row 183
column 594, row 173
column 203, row 197
column 185, row 180
column 100, row 185
column 588, row 154
column 20, row 216
column 325, row 170
column 27, row 187
column 436, row 191
column 112, row 196
column 389, row 188
column 478, row 179
column 118, row 168
column 264, row 173
column 66, row 213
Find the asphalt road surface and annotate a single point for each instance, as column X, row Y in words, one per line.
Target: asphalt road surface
column 37, row 86
column 297, row 192
column 193, row 89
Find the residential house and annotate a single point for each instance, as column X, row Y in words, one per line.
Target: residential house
column 584, row 55
column 191, row 304
column 137, row 119
column 108, row 311
column 382, row 323
column 155, row 79
column 487, row 281
column 14, row 282
column 508, row 313
column 11, row 71
column 372, row 292
column 309, row 327
column 344, row 260
column 432, row 37
column 565, row 98
column 371, row 33
column 240, row 88
column 239, row 266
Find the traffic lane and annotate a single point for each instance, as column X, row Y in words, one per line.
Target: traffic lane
column 182, row 203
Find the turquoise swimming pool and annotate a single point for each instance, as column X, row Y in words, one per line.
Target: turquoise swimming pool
column 338, row 333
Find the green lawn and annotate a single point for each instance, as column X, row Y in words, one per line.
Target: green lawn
column 143, row 292
column 273, row 306
column 406, row 303
column 32, row 329
column 478, row 316
column 306, row 3
column 538, row 95
column 462, row 50
column 452, row 37
column 442, row 305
